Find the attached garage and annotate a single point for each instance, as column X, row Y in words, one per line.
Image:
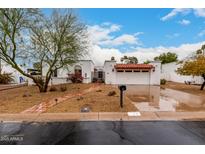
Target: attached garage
column 133, row 77
column 133, row 74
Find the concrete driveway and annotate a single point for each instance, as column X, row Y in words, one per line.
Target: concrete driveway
column 101, row 132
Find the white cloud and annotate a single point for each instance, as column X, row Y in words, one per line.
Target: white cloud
column 138, row 33
column 104, row 45
column 202, row 33
column 175, row 12
column 102, row 32
column 103, row 35
column 171, row 36
column 184, row 22
column 122, row 39
column 99, row 54
column 199, row 12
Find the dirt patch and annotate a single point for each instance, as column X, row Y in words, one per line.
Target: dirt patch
column 192, row 89
column 98, row 101
column 14, row 100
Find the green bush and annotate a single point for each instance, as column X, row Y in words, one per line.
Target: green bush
column 6, row 78
column 163, row 81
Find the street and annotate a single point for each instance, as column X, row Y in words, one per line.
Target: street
column 103, row 133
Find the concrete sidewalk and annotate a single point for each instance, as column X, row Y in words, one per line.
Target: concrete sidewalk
column 104, row 116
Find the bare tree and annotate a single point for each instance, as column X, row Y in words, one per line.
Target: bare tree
column 55, row 41
column 14, row 24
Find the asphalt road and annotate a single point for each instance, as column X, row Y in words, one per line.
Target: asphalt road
column 101, row 133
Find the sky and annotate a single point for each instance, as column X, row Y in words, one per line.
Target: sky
column 144, row 33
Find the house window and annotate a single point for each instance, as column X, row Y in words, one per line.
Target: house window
column 145, row 70
column 136, row 70
column 85, row 75
column 100, row 74
column 120, row 71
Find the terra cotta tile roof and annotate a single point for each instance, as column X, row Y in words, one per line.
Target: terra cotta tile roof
column 133, row 66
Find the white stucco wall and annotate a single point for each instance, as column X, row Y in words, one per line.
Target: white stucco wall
column 155, row 73
column 15, row 74
column 87, row 68
column 110, row 72
column 168, row 72
column 143, row 78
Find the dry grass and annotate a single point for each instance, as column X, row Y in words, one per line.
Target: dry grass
column 192, row 89
column 98, row 101
column 13, row 100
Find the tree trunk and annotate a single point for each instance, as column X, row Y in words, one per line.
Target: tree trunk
column 41, row 89
column 42, row 83
column 202, row 86
column 42, row 86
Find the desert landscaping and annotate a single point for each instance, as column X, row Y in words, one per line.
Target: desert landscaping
column 104, row 99
column 74, row 98
column 192, row 89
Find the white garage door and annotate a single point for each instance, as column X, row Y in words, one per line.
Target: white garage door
column 133, row 78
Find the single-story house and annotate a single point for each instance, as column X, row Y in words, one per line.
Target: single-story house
column 168, row 72
column 111, row 73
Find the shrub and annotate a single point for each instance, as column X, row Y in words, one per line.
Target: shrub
column 163, row 81
column 99, row 90
column 6, row 78
column 63, row 88
column 75, row 78
column 100, row 81
column 79, row 98
column 112, row 93
column 94, row 80
column 52, row 88
column 26, row 95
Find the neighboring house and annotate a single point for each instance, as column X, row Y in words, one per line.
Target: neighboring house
column 168, row 72
column 18, row 77
column 110, row 73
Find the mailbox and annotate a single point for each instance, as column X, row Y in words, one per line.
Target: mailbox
column 122, row 88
